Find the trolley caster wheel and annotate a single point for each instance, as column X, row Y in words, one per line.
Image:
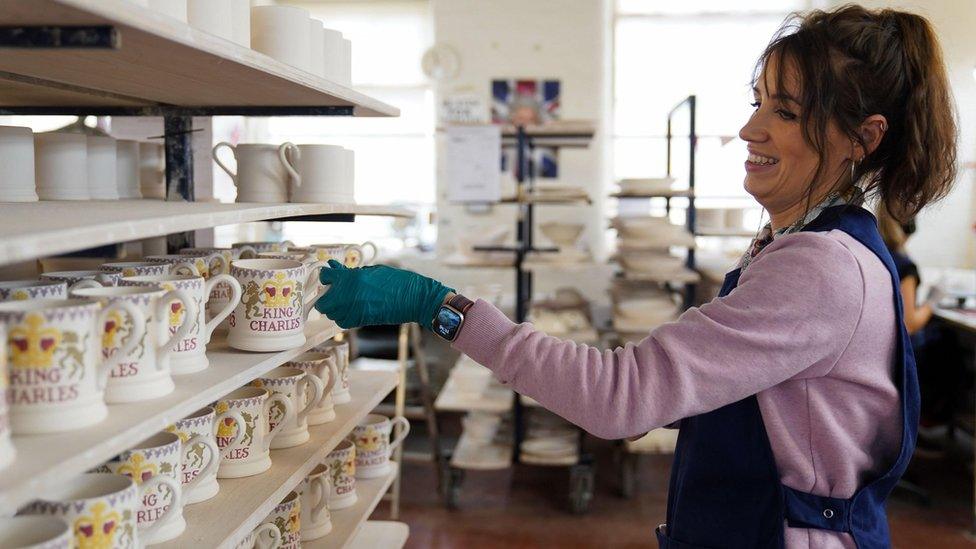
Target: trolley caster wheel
column 580, row 488
column 452, row 487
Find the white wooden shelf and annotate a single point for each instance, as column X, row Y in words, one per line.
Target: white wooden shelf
column 482, row 457
column 244, row 502
column 460, row 261
column 160, row 61
column 38, row 229
column 349, row 522
column 685, row 276
column 494, row 399
column 383, row 534
column 44, row 461
column 727, row 232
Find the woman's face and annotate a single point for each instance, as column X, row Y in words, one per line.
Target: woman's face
column 781, row 164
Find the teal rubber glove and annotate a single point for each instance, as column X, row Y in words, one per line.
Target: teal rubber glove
column 378, row 295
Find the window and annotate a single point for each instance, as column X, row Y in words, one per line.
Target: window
column 666, row 51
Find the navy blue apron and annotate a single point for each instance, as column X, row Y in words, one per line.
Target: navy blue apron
column 725, row 490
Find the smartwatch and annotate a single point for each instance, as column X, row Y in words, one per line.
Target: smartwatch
column 449, row 319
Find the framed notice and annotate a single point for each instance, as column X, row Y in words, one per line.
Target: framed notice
column 471, row 158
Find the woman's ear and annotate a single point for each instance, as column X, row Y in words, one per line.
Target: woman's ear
column 872, row 131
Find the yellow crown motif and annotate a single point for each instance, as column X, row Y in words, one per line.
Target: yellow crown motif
column 278, row 292
column 184, row 436
column 227, row 426
column 370, row 441
column 97, row 531
column 293, row 525
column 138, row 468
column 112, row 325
column 33, row 346
column 20, row 295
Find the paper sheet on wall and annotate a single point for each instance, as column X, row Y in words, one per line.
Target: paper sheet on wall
column 473, row 168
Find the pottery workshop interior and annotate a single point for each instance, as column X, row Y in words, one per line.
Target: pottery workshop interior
column 465, row 274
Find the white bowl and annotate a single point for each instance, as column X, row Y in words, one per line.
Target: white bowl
column 646, row 185
column 563, row 234
column 481, row 427
column 644, row 308
column 549, row 447
column 652, row 263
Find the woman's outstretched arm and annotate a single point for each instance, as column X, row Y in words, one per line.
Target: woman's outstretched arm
column 792, row 315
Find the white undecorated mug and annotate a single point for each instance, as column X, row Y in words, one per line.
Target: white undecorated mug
column 262, row 171
column 127, row 168
column 61, row 166
column 102, row 153
column 213, row 16
column 17, row 159
column 323, row 173
column 282, row 32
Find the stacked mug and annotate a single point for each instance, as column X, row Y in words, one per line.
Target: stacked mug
column 72, row 166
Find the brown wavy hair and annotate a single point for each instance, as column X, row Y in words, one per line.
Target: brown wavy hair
column 853, row 62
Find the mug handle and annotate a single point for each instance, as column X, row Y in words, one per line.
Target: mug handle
column 238, row 436
column 162, row 311
column 86, row 283
column 320, row 487
column 184, row 268
column 233, row 151
column 223, row 266
column 286, row 149
column 211, row 467
column 372, row 257
column 320, row 289
column 333, row 374
column 318, row 391
column 249, row 250
column 176, row 504
column 288, row 244
column 138, row 330
column 235, row 290
column 272, row 530
column 404, row 431
column 289, row 414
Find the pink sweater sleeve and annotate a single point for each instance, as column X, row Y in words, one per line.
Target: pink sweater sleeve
column 792, row 316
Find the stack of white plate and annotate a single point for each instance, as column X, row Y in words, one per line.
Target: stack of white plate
column 641, row 313
column 647, row 186
column 650, row 232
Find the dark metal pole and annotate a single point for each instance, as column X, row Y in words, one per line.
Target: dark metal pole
column 523, row 280
column 692, row 149
column 179, row 170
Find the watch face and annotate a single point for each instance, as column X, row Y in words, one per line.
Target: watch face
column 448, row 323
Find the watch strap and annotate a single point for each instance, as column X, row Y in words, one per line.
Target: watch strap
column 460, row 303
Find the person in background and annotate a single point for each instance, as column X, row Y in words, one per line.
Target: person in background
column 937, row 352
column 796, row 388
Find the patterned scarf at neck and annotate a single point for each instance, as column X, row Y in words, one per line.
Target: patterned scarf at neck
column 854, row 196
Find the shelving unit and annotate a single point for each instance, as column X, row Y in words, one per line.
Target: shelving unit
column 243, row 503
column 348, row 522
column 105, row 222
column 114, row 57
column 381, row 533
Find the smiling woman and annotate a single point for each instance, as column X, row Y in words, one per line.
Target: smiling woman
column 796, row 388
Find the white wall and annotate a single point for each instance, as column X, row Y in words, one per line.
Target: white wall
column 564, row 39
column 945, row 235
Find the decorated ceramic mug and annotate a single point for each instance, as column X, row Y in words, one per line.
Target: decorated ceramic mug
column 230, row 254
column 203, row 265
column 265, row 536
column 7, row 451
column 33, row 532
column 158, row 456
column 271, row 314
column 264, row 246
column 314, row 493
column 339, row 350
column 323, row 367
column 57, row 370
column 146, row 268
column 287, row 516
column 303, row 391
column 144, row 373
column 341, row 462
column 83, row 279
column 21, row 290
column 201, row 456
column 350, row 255
column 102, row 509
column 190, row 354
column 250, row 454
column 373, row 445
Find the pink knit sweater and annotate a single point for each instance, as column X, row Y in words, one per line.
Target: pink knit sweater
column 809, row 329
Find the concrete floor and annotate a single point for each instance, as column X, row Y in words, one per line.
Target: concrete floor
column 525, row 508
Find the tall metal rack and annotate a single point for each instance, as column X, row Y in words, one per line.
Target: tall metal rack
column 582, row 471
